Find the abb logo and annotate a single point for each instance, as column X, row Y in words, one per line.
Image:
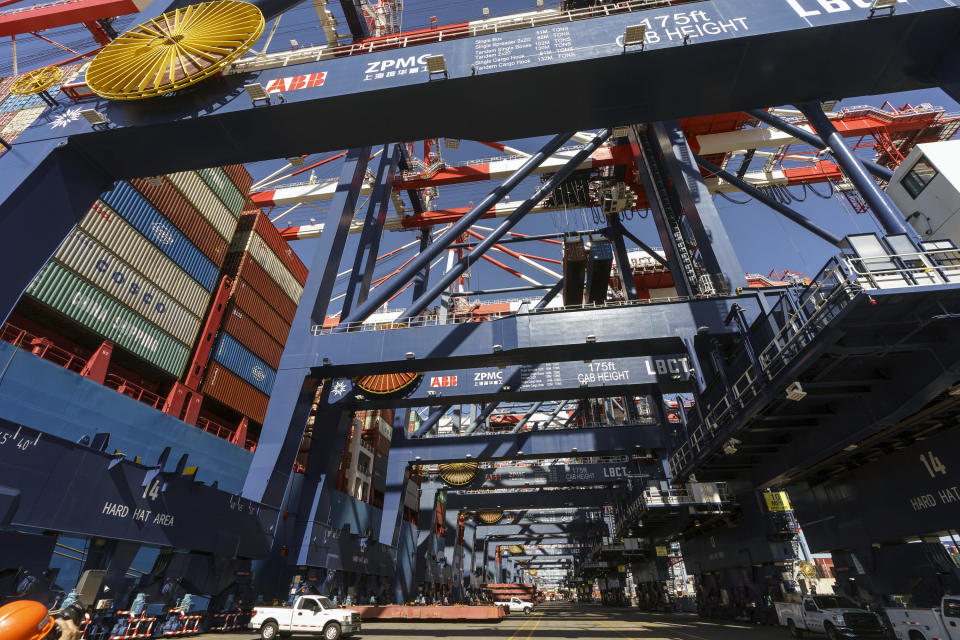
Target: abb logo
column 293, row 83
column 443, row 381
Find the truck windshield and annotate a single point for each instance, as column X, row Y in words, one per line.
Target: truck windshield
column 326, row 603
column 835, row 602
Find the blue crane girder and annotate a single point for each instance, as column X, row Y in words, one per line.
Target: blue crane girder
column 546, row 381
column 752, row 49
column 578, row 335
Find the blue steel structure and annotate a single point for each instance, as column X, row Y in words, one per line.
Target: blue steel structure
column 866, row 348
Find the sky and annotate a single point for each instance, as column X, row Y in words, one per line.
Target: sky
column 763, row 239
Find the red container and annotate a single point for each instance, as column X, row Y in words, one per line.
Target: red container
column 239, row 176
column 243, row 265
column 260, row 223
column 254, row 306
column 242, row 327
column 224, row 386
column 168, row 201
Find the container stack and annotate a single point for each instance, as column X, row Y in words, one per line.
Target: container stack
column 19, row 112
column 140, row 268
column 268, row 279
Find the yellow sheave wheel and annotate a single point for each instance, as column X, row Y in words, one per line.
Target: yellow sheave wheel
column 175, row 50
column 33, row 82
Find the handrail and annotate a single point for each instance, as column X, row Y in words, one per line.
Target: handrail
column 452, row 32
column 837, row 284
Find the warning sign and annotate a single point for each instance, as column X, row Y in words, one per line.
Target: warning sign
column 777, row 501
column 661, row 552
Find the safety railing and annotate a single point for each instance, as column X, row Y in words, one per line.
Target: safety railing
column 441, row 34
column 820, row 302
column 134, row 391
column 434, row 318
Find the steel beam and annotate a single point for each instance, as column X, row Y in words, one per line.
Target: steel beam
column 623, row 262
column 780, row 208
column 886, row 213
column 455, row 231
column 509, row 222
column 813, row 140
column 358, row 287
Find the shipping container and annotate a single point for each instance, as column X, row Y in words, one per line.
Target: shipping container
column 239, row 176
column 256, row 221
column 206, row 201
column 227, row 388
column 243, row 265
column 229, row 195
column 248, row 333
column 175, row 208
column 20, row 121
column 236, row 357
column 20, row 103
column 98, row 266
column 62, row 290
column 250, row 302
column 116, row 234
column 251, row 242
column 138, row 211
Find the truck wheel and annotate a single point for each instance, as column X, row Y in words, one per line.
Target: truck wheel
column 269, row 631
column 831, row 632
column 794, row 632
column 526, row 611
column 331, row 631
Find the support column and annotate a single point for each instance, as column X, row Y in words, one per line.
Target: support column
column 365, row 261
column 887, row 215
column 423, row 277
column 294, row 388
column 701, row 215
column 623, row 261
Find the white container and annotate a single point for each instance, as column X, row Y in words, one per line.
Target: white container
column 117, row 235
column 196, row 191
column 251, row 242
column 102, row 268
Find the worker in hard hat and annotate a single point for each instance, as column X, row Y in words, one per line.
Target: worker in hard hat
column 30, row 620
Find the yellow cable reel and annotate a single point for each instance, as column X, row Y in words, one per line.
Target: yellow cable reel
column 33, row 82
column 175, row 50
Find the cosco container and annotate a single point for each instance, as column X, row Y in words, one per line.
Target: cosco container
column 249, row 301
column 116, row 234
column 136, row 210
column 64, row 291
column 242, row 265
column 175, row 208
column 217, row 180
column 248, row 333
column 256, row 221
column 239, row 176
column 251, row 242
column 236, row 357
column 205, row 200
column 226, row 387
column 91, row 261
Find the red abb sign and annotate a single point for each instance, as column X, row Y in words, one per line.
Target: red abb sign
column 443, row 381
column 293, row 83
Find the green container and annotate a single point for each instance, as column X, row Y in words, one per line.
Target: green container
column 221, row 185
column 64, row 291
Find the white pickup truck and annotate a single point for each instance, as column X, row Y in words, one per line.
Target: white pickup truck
column 315, row 615
column 836, row 616
column 516, row 605
column 928, row 624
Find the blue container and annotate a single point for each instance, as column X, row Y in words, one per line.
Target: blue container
column 238, row 359
column 138, row 211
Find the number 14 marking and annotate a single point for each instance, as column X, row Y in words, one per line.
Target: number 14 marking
column 932, row 464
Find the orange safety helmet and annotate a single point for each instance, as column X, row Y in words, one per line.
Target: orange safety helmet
column 25, row 620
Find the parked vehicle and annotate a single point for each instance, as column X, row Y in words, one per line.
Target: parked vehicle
column 315, row 615
column 836, row 616
column 516, row 605
column 941, row 623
